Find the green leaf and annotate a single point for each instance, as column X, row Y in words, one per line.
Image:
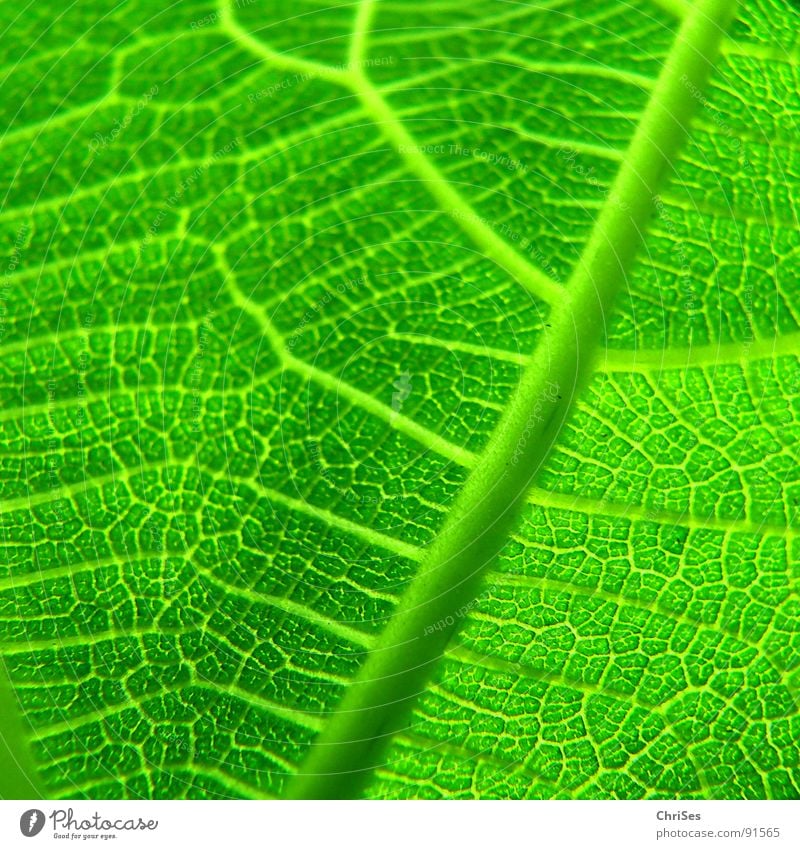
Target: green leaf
column 401, row 407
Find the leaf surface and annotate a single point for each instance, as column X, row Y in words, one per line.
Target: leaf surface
column 297, row 305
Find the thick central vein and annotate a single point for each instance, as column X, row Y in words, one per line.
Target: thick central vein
column 377, row 704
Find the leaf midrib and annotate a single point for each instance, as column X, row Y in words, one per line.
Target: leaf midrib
column 375, row 705
column 558, row 356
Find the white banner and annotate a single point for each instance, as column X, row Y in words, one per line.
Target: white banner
column 400, row 825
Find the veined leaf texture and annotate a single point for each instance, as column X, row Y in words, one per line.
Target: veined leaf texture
column 400, row 400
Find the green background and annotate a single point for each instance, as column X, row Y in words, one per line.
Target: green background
column 272, row 275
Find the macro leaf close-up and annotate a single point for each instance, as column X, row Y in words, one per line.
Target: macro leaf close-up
column 400, row 400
